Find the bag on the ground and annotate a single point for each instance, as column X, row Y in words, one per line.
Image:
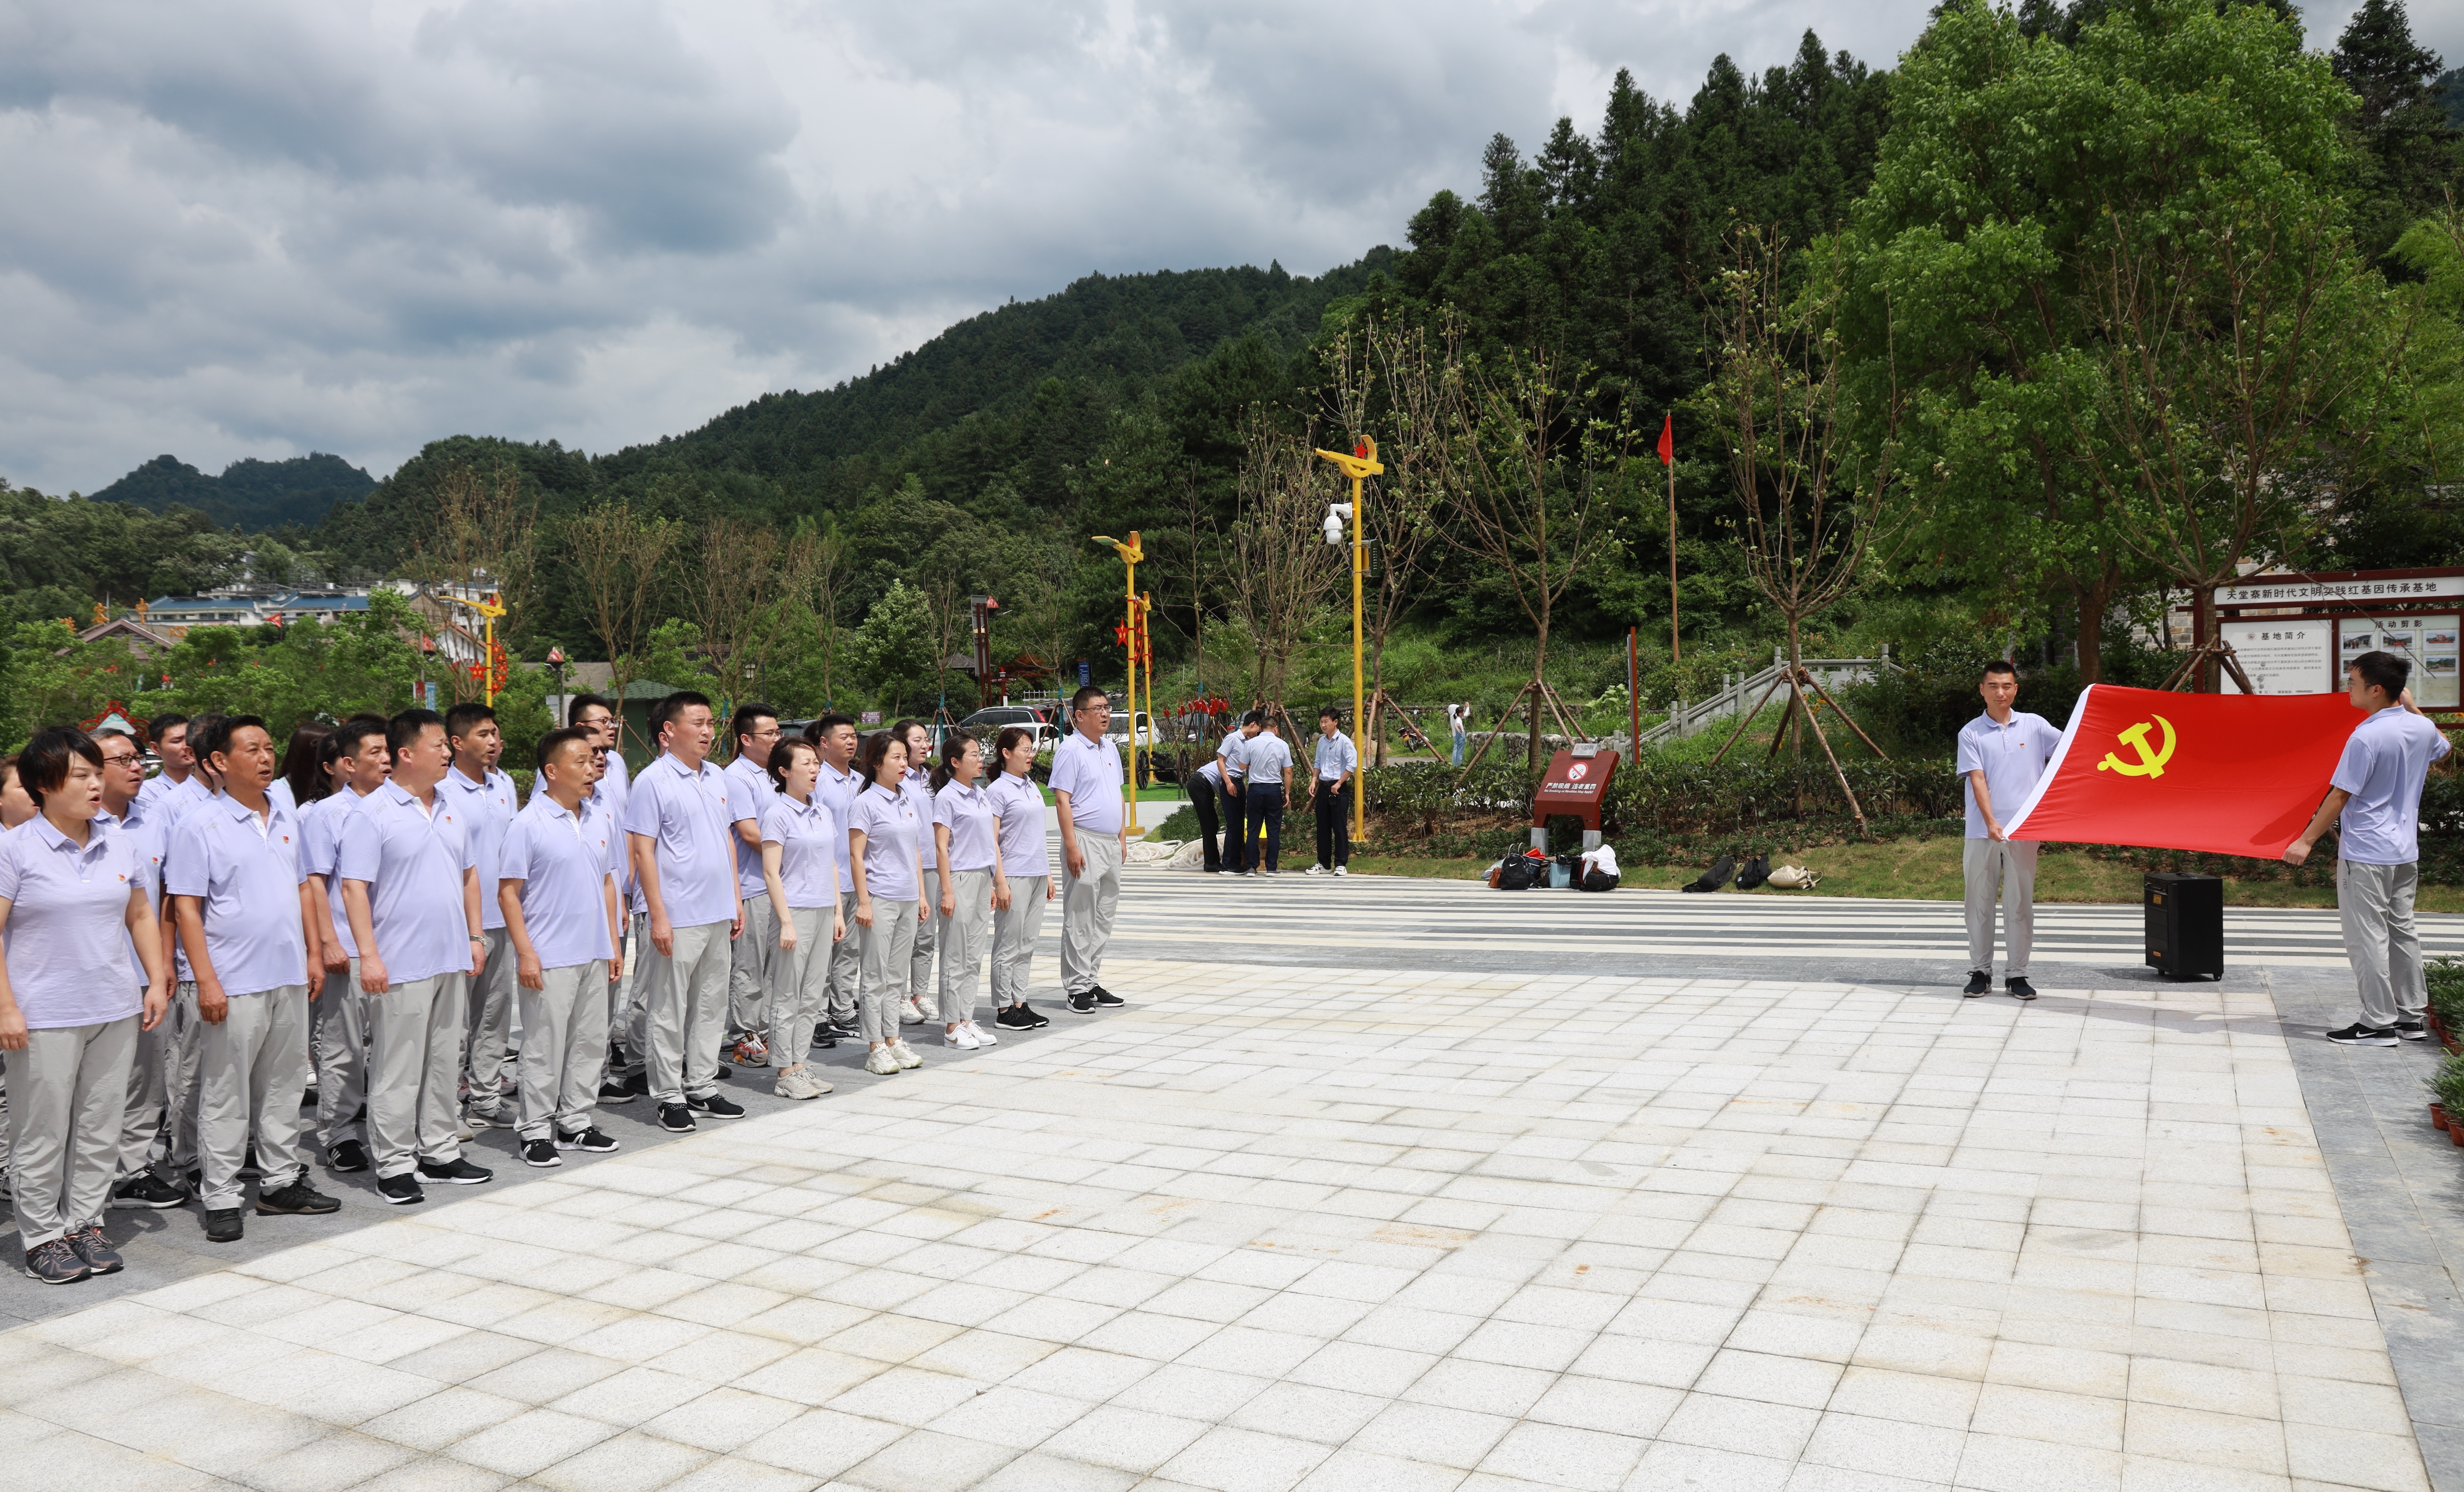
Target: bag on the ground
column 1600, row 870
column 1566, row 872
column 1521, row 873
column 1714, row 879
column 1793, row 878
column 1757, row 870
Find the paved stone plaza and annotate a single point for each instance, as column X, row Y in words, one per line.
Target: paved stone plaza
column 1346, row 1226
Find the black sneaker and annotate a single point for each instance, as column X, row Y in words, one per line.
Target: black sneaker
column 541, row 1154
column 2412, row 1030
column 1108, row 1000
column 615, row 1056
column 677, row 1119
column 2360, row 1034
column 56, row 1263
column 94, row 1251
column 718, row 1105
column 843, row 1030
column 822, row 1039
column 145, row 1189
column 402, row 1191
column 1036, row 1019
column 347, row 1156
column 638, row 1083
column 248, row 1168
column 1081, row 1003
column 1015, row 1017
column 222, row 1226
column 592, row 1141
column 297, row 1199
column 1979, row 982
column 724, row 1072
column 456, row 1172
column 616, row 1093
column 2020, row 988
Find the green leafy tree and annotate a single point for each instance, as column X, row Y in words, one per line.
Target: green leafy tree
column 360, row 662
column 893, row 651
column 2407, row 162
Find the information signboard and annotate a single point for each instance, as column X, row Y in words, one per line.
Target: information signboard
column 2283, row 655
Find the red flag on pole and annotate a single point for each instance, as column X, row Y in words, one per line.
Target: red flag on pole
column 1668, row 439
column 2227, row 774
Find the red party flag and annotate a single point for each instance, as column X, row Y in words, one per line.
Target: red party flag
column 2227, row 774
column 1668, row 439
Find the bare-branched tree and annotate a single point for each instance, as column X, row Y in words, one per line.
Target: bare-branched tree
column 481, row 546
column 1288, row 570
column 620, row 554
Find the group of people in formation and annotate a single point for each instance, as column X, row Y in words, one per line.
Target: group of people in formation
column 1252, row 776
column 374, row 914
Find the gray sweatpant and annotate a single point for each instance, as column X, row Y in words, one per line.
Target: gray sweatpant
column 68, row 1095
column 490, row 1017
column 800, row 980
column 684, row 1012
column 964, row 937
column 339, row 1032
column 181, row 1087
column 565, row 1046
column 748, row 972
column 889, row 949
column 148, row 1094
column 928, row 935
column 255, row 1063
column 2375, row 903
column 847, row 966
column 2004, row 868
column 1087, row 906
column 1014, row 934
column 414, row 1062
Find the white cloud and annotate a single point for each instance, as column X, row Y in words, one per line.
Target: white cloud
column 266, row 226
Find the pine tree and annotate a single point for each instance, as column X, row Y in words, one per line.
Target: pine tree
column 2409, row 158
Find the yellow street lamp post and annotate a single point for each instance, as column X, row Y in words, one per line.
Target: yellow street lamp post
column 1131, row 554
column 1362, row 463
column 488, row 645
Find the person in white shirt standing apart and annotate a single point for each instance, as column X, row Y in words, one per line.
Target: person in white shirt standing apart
column 1337, row 759
column 483, row 798
column 557, row 882
column 755, row 730
column 677, row 823
column 2374, row 800
column 2002, row 752
column 1087, row 780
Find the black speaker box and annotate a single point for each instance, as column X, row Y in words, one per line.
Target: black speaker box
column 2186, row 926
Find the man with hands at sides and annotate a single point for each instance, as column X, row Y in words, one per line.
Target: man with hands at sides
column 676, row 823
column 410, row 888
column 558, row 890
column 2002, row 752
column 1086, row 786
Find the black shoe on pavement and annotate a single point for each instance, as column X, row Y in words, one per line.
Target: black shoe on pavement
column 1081, row 1003
column 248, row 1168
column 677, row 1119
column 456, row 1172
column 541, row 1154
column 2412, row 1030
column 1015, row 1017
column 616, row 1093
column 145, row 1189
column 724, row 1072
column 222, row 1226
column 402, row 1191
column 95, row 1250
column 1979, row 982
column 347, row 1156
column 1036, row 1019
column 639, row 1084
column 718, row 1105
column 2020, row 988
column 297, row 1199
column 2360, row 1034
column 591, row 1141
column 1108, row 1000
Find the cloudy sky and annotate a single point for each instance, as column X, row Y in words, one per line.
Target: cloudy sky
column 260, row 227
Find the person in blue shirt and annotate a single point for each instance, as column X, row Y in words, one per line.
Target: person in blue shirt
column 2002, row 752
column 2374, row 800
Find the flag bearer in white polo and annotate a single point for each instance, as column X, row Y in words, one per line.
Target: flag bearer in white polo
column 411, row 889
column 1086, row 786
column 340, row 1017
column 69, row 906
column 248, row 920
column 1025, row 882
column 800, row 846
column 2002, row 752
column 144, row 827
column 559, row 888
column 839, row 782
column 969, row 856
column 755, row 729
column 676, row 823
column 485, row 800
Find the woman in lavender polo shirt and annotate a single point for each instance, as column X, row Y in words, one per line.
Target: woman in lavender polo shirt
column 885, row 847
column 70, row 904
column 800, row 866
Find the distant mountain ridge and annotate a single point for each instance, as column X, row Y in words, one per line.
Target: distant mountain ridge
column 251, row 496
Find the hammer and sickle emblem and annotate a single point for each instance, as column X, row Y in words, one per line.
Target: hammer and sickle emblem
column 2150, row 763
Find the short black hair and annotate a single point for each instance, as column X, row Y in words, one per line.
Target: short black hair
column 1330, row 713
column 1254, row 717
column 2388, row 670
column 671, row 708
column 348, row 734
column 112, row 733
column 465, row 717
column 155, row 727
column 1088, row 694
column 823, row 725
column 1999, row 666
column 406, row 728
column 746, row 717
column 580, row 702
column 554, row 741
column 44, row 764
column 783, row 758
column 217, row 734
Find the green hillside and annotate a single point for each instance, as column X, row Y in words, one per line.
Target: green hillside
column 251, row 496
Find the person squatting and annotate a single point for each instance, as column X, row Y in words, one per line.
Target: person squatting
column 374, row 916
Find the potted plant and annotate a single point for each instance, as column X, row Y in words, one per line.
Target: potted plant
column 2445, row 977
column 2446, row 1086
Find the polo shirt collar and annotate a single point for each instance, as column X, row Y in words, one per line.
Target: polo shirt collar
column 1986, row 720
column 53, row 836
column 675, row 764
column 238, row 811
column 548, row 805
column 454, row 775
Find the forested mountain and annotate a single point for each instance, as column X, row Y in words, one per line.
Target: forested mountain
column 257, row 497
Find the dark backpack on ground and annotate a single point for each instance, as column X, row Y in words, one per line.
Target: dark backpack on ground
column 1714, row 879
column 1521, row 872
column 1596, row 881
column 1757, row 870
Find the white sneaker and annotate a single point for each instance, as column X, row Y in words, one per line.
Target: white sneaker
column 912, row 1013
column 983, row 1037
column 1340, row 871
column 903, row 1054
column 961, row 1037
column 881, row 1063
column 1315, row 870
column 794, row 1085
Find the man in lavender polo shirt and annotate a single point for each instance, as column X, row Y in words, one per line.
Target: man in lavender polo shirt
column 676, row 823
column 147, row 826
column 248, row 923
column 837, row 786
column 411, row 891
column 595, row 715
column 756, row 728
column 1087, row 782
column 559, row 895
column 2002, row 752
column 486, row 802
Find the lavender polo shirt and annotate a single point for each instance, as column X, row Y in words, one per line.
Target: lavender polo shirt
column 413, row 862
column 174, row 805
column 246, row 870
column 607, row 797
column 749, row 792
column 158, row 790
column 968, row 815
column 147, row 828
column 487, row 810
column 686, row 812
column 1023, row 850
column 810, row 847
column 1091, row 773
column 561, row 859
column 322, row 828
column 67, row 929
column 2011, row 756
column 892, row 864
column 836, row 791
column 916, row 787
